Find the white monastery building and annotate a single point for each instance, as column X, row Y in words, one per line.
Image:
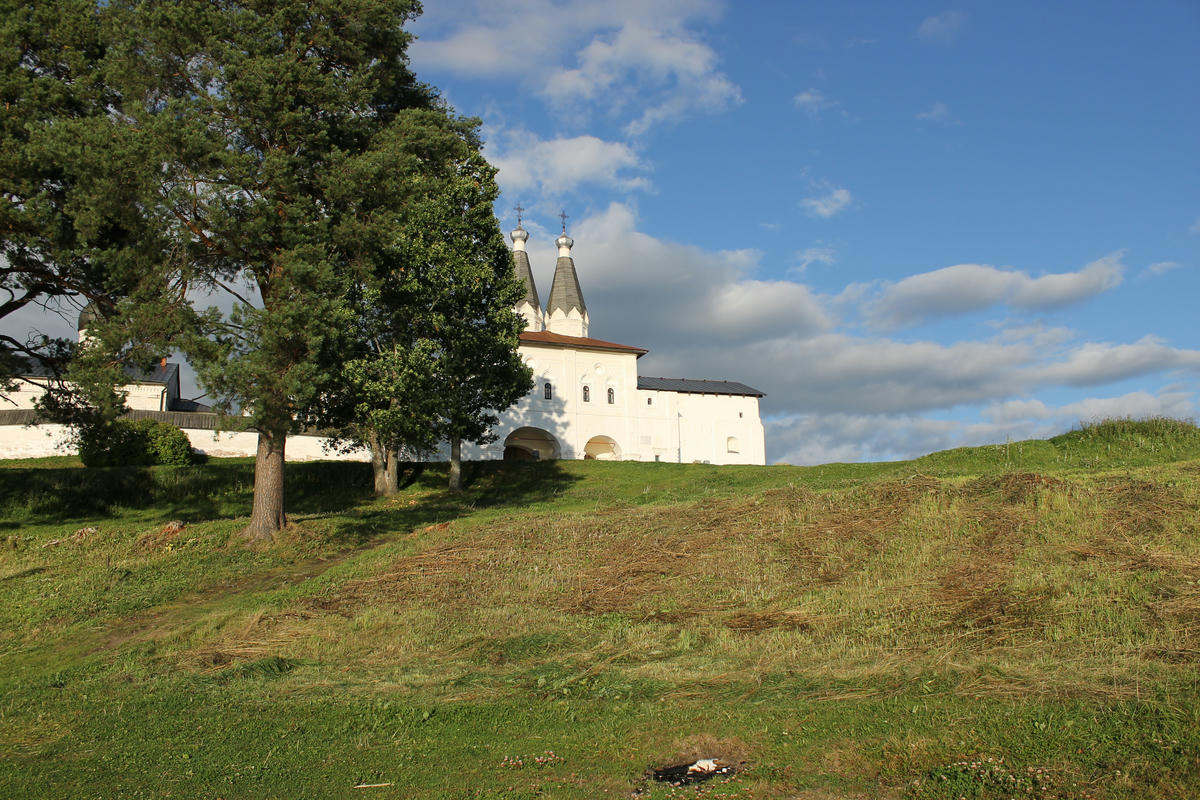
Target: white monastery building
column 588, row 400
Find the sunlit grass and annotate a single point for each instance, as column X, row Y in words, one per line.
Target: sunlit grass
column 841, row 631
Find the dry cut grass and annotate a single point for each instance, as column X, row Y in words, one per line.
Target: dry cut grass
column 1006, row 584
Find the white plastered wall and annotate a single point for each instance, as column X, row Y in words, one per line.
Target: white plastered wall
column 37, row 441
column 672, row 426
column 571, row 323
column 140, row 396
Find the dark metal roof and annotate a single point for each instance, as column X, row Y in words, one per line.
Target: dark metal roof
column 564, row 289
column 581, row 342
column 525, row 275
column 689, row 386
column 159, row 373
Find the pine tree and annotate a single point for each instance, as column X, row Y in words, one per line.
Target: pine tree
column 76, row 181
column 260, row 113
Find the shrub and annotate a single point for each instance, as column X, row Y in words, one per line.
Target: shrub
column 133, row 443
column 168, row 444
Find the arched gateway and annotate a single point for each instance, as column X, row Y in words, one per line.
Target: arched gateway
column 530, row 444
column 602, row 448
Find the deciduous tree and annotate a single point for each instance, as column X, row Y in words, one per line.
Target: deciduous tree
column 437, row 336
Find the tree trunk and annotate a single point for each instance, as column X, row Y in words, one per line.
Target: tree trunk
column 392, row 475
column 379, row 465
column 267, row 517
column 455, row 464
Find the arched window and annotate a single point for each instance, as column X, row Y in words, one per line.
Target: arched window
column 546, row 391
column 731, row 444
column 612, row 396
column 587, row 394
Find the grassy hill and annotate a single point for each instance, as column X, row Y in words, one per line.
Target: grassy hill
column 1014, row 620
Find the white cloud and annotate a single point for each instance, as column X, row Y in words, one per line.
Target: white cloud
column 645, row 62
column 815, row 255
column 811, row 101
column 1162, row 267
column 1095, row 363
column 828, row 204
column 939, row 112
column 662, row 294
column 963, row 288
column 843, row 437
column 942, row 28
column 551, row 166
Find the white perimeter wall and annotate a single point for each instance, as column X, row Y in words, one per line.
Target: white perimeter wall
column 36, row 441
column 646, row 425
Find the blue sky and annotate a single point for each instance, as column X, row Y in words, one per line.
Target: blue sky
column 913, row 226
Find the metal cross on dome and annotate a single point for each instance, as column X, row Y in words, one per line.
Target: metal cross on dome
column 519, row 209
column 563, row 216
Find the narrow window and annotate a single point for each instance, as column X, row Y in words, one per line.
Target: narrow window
column 587, row 394
column 649, row 401
column 612, row 397
column 546, row 391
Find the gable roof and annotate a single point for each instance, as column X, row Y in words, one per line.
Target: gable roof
column 547, row 338
column 688, row 386
column 160, row 373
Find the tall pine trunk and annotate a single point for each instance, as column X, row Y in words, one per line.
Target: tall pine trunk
column 455, row 464
column 267, row 517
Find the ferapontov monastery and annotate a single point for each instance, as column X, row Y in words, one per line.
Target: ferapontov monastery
column 588, row 400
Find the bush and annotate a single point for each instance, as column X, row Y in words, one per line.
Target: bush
column 168, row 444
column 134, row 443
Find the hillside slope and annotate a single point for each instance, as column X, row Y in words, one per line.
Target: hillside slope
column 991, row 622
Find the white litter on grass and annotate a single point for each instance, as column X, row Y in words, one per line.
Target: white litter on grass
column 704, row 765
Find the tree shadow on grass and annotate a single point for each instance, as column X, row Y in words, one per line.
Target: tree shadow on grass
column 425, row 499
column 225, row 490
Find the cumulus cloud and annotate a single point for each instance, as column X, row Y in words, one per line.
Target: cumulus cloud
column 963, row 288
column 662, row 294
column 826, row 205
column 1136, row 405
column 942, row 28
column 670, row 68
column 528, row 163
column 1097, row 363
column 646, row 62
column 806, row 439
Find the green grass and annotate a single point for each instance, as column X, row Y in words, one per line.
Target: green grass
column 1015, row 620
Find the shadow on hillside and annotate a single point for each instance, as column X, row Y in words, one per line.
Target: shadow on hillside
column 225, row 490
column 425, row 498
